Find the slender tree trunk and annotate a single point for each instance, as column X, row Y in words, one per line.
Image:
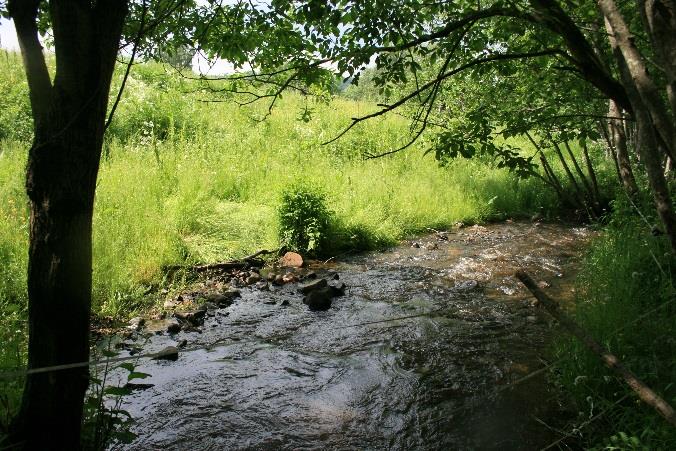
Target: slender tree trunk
column 592, row 173
column 576, row 166
column 642, row 82
column 619, row 138
column 646, row 143
column 659, row 18
column 647, row 146
column 69, row 115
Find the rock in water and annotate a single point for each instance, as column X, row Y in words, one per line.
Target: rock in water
column 253, row 278
column 136, row 323
column 168, row 353
column 338, row 289
column 195, row 318
column 224, row 299
column 312, row 286
column 289, row 278
column 173, row 327
column 262, row 285
column 319, row 299
column 466, row 285
column 291, row 259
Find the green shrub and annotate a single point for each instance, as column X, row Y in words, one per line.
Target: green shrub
column 304, row 220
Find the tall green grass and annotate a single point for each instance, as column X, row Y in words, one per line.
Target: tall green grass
column 186, row 181
column 625, row 301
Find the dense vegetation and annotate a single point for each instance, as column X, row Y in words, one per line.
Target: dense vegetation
column 186, row 181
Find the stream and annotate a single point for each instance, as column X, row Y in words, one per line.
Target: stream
column 355, row 376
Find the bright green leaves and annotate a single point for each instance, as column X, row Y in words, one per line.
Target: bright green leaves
column 304, row 219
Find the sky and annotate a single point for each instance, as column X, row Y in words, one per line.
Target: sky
column 200, row 65
column 8, row 35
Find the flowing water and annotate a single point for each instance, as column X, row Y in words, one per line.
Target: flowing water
column 283, row 377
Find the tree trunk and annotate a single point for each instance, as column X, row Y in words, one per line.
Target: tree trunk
column 644, row 85
column 647, row 146
column 619, row 139
column 69, row 115
column 659, row 18
column 61, row 192
column 646, row 143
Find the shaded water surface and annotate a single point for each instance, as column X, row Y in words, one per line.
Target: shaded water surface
column 283, row 377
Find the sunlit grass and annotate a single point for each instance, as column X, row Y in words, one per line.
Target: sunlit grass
column 184, row 181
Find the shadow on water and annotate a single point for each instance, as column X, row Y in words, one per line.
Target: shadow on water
column 287, row 378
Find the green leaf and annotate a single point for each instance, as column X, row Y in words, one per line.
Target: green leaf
column 128, row 366
column 109, row 353
column 117, row 391
column 125, row 437
column 137, row 375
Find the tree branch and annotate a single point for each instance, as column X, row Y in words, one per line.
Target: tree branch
column 129, row 65
column 428, row 85
column 449, row 28
column 549, row 14
column 25, row 13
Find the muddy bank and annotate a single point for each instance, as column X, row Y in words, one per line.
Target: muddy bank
column 280, row 376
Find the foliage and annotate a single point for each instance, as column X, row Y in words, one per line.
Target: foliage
column 105, row 423
column 148, row 113
column 625, row 300
column 213, row 196
column 16, row 121
column 304, row 219
column 179, row 58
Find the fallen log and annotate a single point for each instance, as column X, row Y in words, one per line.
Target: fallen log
column 242, row 263
column 644, row 392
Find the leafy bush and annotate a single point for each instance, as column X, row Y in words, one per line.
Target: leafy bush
column 304, row 219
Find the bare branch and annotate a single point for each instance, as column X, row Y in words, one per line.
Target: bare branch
column 129, row 65
column 25, row 14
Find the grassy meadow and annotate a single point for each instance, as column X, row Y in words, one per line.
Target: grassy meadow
column 189, row 181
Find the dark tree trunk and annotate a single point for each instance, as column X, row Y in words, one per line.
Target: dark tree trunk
column 59, row 286
column 69, row 115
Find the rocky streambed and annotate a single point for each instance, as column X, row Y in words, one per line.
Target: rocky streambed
column 413, row 348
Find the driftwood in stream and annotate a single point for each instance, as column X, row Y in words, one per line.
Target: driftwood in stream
column 242, row 263
column 644, row 392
